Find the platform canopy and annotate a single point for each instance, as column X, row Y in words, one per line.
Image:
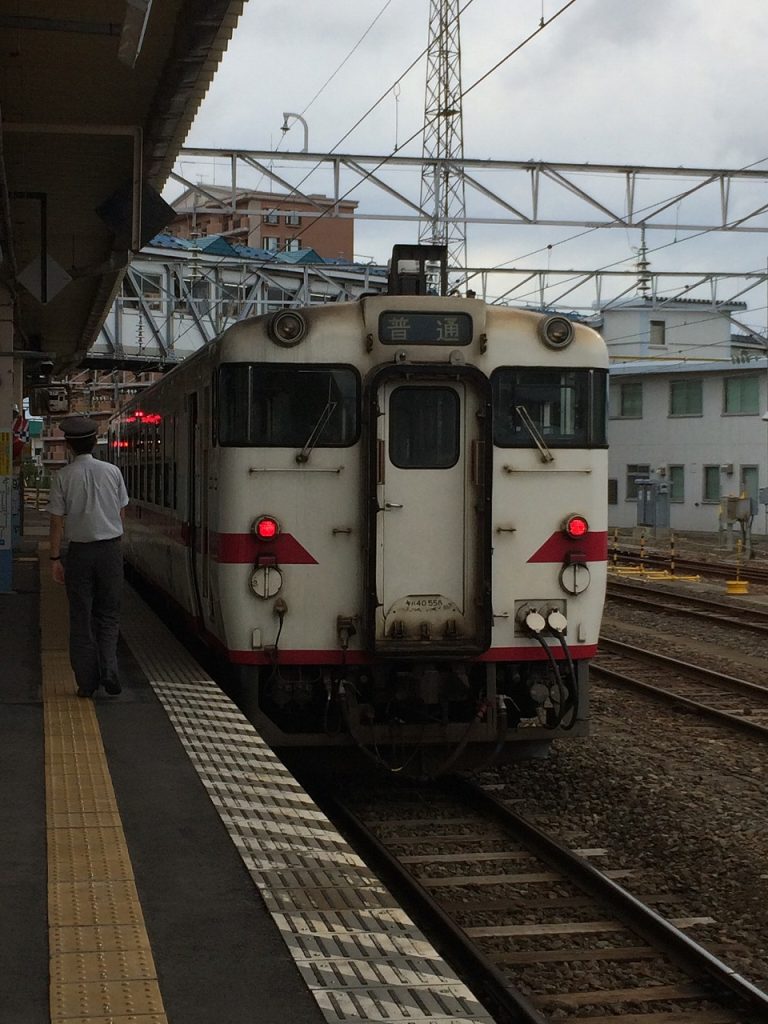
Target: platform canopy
column 95, row 101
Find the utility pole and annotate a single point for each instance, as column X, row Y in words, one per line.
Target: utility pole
column 442, row 186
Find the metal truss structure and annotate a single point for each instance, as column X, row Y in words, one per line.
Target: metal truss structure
column 172, row 305
column 442, row 184
column 522, row 192
column 173, row 302
column 548, row 288
column 685, row 201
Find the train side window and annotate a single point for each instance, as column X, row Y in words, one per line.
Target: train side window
column 567, row 407
column 170, row 462
column 424, row 428
column 278, row 406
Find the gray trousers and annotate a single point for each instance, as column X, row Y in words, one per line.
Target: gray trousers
column 93, row 574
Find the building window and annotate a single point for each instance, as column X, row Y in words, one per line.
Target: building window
column 627, row 401
column 271, row 218
column 677, row 483
column 658, row 328
column 635, row 472
column 152, row 290
column 741, row 396
column 685, row 398
column 749, row 482
column 270, row 242
column 277, row 298
column 233, row 298
column 293, row 244
column 711, row 484
column 613, row 492
column 293, row 219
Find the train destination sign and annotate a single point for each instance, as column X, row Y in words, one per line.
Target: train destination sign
column 402, row 328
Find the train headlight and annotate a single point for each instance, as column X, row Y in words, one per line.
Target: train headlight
column 556, row 332
column 576, row 527
column 286, row 327
column 265, row 528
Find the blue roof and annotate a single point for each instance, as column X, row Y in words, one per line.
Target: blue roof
column 300, row 256
column 251, row 252
column 166, row 241
column 216, row 245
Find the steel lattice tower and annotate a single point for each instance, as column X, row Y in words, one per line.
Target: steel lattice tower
column 442, row 186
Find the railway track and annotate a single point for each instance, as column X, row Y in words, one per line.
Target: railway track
column 720, row 570
column 536, row 929
column 737, row 702
column 743, row 616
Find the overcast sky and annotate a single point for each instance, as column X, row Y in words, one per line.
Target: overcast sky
column 667, row 82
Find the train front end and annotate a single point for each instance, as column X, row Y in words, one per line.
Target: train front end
column 427, row 585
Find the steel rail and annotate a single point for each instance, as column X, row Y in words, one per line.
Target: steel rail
column 753, row 573
column 491, row 986
column 745, row 724
column 646, row 922
column 487, row 981
column 653, row 657
column 628, row 592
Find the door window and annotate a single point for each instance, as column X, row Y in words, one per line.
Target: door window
column 424, row 428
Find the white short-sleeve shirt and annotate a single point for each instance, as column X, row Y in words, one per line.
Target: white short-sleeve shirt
column 89, row 493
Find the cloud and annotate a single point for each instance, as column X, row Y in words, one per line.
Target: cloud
column 667, row 82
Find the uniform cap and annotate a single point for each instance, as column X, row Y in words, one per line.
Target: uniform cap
column 78, row 427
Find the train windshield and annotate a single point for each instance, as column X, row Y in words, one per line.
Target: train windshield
column 276, row 406
column 566, row 407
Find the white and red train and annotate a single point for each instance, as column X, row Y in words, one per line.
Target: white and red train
column 389, row 516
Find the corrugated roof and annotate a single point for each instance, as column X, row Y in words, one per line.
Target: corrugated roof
column 683, row 366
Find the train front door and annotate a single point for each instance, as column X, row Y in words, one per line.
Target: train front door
column 430, row 539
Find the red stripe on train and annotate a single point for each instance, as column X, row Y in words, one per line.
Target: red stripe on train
column 335, row 657
column 593, row 547
column 241, row 548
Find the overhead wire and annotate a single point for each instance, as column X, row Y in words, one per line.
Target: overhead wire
column 627, row 259
column 544, row 23
column 357, row 123
column 331, row 77
column 420, row 130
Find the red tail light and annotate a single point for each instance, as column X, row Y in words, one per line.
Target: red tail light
column 266, row 528
column 576, row 526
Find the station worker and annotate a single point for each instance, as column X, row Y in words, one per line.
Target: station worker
column 87, row 505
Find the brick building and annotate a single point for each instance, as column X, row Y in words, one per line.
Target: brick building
column 267, row 220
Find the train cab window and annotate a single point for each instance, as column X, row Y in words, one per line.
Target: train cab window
column 567, row 407
column 276, row 406
column 424, row 428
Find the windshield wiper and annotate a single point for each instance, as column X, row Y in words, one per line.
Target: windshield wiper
column 538, row 440
column 319, row 427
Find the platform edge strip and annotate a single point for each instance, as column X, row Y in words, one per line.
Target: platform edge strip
column 101, row 964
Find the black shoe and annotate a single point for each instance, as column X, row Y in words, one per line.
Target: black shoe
column 84, row 693
column 112, row 687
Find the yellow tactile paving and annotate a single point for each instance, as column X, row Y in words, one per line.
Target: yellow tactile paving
column 105, row 999
column 101, row 970
column 110, row 938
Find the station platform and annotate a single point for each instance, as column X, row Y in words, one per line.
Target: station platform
column 158, row 862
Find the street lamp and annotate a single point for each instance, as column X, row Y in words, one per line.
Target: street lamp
column 285, row 127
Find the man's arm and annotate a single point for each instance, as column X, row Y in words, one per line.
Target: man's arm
column 56, row 535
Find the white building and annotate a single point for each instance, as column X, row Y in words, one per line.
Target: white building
column 686, row 407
